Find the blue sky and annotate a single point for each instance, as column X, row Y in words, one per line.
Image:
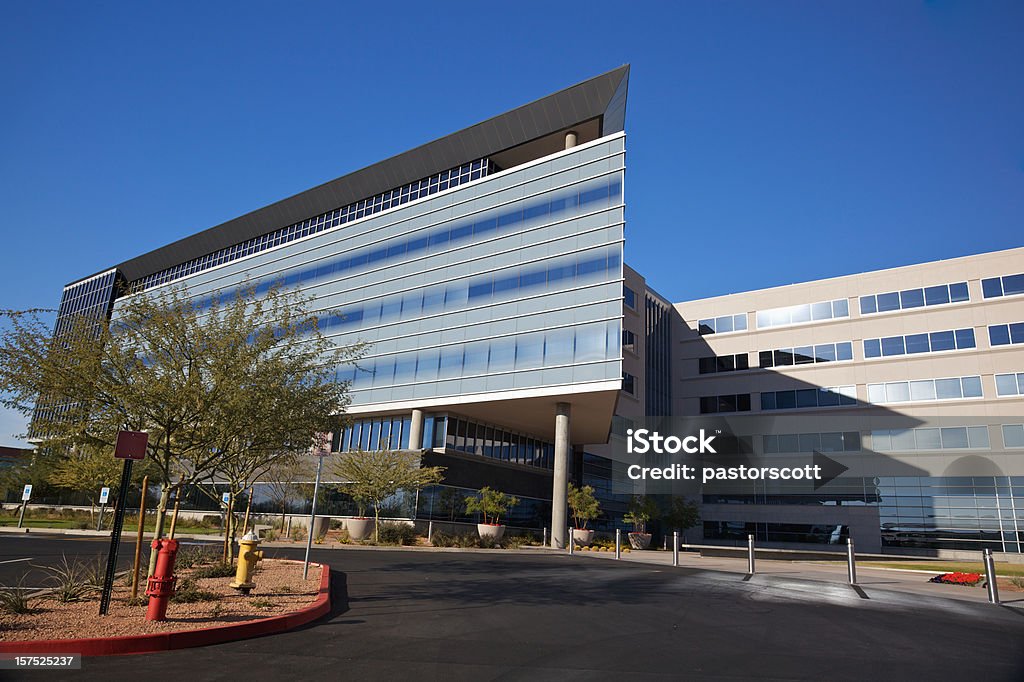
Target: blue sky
column 768, row 143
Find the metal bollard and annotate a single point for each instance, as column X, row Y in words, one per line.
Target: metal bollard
column 851, row 562
column 618, row 543
column 750, row 554
column 570, row 542
column 990, row 575
column 430, row 532
column 675, row 548
column 544, row 543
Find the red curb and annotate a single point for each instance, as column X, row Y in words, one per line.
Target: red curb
column 181, row 639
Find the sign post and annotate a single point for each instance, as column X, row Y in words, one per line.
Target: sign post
column 26, row 495
column 130, row 446
column 321, row 450
column 104, row 496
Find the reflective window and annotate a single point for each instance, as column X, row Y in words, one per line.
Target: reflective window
column 797, row 314
column 805, row 355
column 933, row 342
column 1006, row 334
column 1009, row 285
column 809, row 398
column 1013, row 435
column 629, row 383
column 723, row 363
column 914, row 298
column 723, row 324
column 629, row 297
column 1010, row 384
column 954, row 388
column 725, row 403
column 945, row 438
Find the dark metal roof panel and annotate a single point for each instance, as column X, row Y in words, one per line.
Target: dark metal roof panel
column 584, row 101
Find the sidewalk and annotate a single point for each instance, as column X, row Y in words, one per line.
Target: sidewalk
column 868, row 579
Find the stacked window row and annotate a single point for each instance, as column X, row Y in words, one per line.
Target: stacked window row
column 945, row 438
column 914, row 298
column 1006, row 334
column 718, row 404
column 496, row 443
column 386, row 433
column 807, row 312
column 1013, row 435
column 586, row 343
column 584, row 268
column 1009, row 285
column 724, row 363
column 806, row 355
column 835, row 441
column 933, row 342
column 1009, row 384
column 376, row 204
column 592, row 196
column 831, row 396
column 723, row 324
column 926, row 390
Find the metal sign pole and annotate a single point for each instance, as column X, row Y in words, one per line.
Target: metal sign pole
column 115, row 537
column 312, row 517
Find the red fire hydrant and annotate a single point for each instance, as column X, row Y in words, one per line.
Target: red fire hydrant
column 160, row 588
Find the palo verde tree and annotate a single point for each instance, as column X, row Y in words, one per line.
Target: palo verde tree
column 243, row 374
column 490, row 504
column 584, row 506
column 377, row 475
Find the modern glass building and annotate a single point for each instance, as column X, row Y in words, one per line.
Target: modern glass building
column 484, row 271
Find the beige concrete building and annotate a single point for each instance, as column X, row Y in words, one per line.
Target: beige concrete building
column 921, row 366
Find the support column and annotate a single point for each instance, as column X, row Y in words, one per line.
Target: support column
column 416, row 430
column 560, row 487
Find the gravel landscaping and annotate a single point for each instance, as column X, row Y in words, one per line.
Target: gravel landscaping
column 279, row 589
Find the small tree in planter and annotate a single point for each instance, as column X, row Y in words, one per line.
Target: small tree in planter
column 491, row 504
column 585, row 508
column 681, row 514
column 377, row 475
column 641, row 510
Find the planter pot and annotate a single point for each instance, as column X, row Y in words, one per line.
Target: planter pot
column 582, row 537
column 359, row 529
column 639, row 540
column 489, row 531
column 321, row 525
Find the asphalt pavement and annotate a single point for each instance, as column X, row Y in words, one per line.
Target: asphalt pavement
column 414, row 615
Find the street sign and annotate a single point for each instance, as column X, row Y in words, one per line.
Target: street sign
column 225, row 498
column 104, row 495
column 131, row 445
column 26, row 494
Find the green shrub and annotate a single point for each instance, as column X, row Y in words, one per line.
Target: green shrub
column 71, row 581
column 15, row 599
column 1017, row 581
column 190, row 556
column 298, row 533
column 187, row 592
column 221, row 569
column 396, row 534
column 455, row 539
column 262, row 603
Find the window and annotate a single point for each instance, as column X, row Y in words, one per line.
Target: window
column 797, row 314
column 809, row 398
column 629, row 383
column 914, row 298
column 1009, row 285
column 628, row 341
column 933, row 342
column 1013, row 435
column 1009, row 384
column 723, row 363
column 954, row 388
column 806, row 355
column 945, row 438
column 1006, row 334
column 722, row 325
column 715, row 404
column 629, row 297
column 786, row 443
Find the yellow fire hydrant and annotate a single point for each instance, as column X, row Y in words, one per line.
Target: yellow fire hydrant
column 248, row 555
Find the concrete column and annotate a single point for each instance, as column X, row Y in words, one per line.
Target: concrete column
column 560, row 487
column 570, row 139
column 416, row 430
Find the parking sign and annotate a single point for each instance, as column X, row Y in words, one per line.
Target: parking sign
column 104, row 495
column 225, row 498
column 26, row 494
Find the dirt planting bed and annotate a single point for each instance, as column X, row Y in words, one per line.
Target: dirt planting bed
column 279, row 589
